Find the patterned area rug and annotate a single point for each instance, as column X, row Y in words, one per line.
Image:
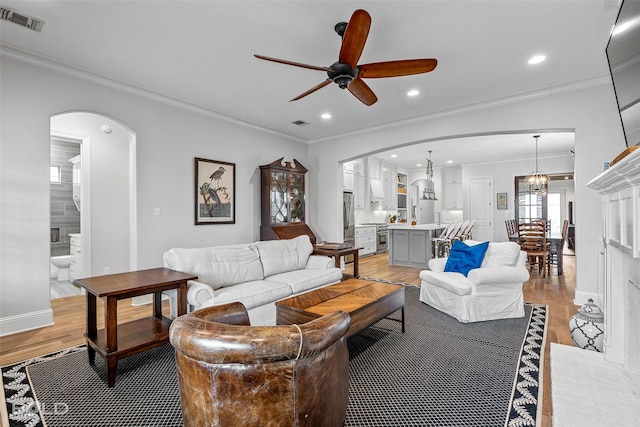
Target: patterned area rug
column 439, row 373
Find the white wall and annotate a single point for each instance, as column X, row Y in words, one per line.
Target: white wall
column 168, row 139
column 591, row 112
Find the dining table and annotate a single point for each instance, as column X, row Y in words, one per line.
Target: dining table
column 555, row 240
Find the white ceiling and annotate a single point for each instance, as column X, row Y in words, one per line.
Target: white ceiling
column 201, row 53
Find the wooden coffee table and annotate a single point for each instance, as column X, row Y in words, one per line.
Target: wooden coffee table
column 117, row 341
column 364, row 300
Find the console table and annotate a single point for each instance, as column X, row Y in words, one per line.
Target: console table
column 115, row 341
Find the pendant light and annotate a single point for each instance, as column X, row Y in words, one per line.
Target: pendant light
column 428, row 193
column 536, row 180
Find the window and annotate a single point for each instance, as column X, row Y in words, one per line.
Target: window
column 54, row 174
column 529, row 204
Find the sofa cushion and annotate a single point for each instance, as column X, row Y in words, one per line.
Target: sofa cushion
column 464, row 258
column 452, row 282
column 280, row 256
column 303, row 280
column 217, row 266
column 251, row 294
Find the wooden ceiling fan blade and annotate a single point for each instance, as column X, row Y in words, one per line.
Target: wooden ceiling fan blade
column 355, row 36
column 295, row 64
column 313, row 89
column 363, row 92
column 397, row 68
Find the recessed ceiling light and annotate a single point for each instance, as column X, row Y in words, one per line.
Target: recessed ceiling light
column 449, row 161
column 419, row 165
column 326, row 116
column 537, row 59
column 394, row 155
column 413, row 92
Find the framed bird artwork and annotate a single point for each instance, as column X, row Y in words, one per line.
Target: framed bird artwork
column 215, row 189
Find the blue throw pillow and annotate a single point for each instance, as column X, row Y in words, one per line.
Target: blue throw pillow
column 464, row 258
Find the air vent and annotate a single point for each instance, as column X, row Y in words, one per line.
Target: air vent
column 29, row 22
column 300, row 123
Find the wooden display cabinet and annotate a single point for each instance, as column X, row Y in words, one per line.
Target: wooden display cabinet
column 282, row 197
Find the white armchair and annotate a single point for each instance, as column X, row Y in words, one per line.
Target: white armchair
column 493, row 291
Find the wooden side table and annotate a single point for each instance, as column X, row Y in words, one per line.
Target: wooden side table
column 115, row 341
column 337, row 253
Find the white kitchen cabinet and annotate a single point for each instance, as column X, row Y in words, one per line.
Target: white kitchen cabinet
column 452, row 188
column 348, row 182
column 375, row 168
column 390, row 184
column 361, row 189
column 366, row 239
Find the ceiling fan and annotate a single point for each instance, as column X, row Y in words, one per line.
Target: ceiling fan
column 346, row 72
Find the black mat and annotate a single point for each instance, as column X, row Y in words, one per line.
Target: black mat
column 439, row 373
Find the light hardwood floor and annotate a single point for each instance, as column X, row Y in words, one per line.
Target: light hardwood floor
column 69, row 316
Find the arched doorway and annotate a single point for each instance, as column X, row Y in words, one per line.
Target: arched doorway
column 93, row 205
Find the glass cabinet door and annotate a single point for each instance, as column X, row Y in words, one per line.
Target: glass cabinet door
column 296, row 195
column 282, row 199
column 278, row 196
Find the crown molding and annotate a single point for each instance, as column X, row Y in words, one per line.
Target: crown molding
column 10, row 52
column 59, row 67
column 483, row 105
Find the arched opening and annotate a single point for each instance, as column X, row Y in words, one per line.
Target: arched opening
column 92, row 199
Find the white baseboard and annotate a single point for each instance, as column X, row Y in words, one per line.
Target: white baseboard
column 26, row 322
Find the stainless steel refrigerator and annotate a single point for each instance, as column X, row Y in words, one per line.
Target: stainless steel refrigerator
column 349, row 221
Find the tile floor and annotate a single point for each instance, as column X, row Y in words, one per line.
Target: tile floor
column 61, row 289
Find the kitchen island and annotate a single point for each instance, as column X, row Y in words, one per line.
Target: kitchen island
column 411, row 245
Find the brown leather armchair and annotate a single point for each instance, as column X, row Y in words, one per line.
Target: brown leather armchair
column 234, row 374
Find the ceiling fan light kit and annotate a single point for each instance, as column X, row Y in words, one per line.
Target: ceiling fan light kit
column 346, row 72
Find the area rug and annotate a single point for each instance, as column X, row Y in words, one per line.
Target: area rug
column 438, row 373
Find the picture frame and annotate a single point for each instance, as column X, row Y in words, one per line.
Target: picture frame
column 501, row 201
column 215, row 190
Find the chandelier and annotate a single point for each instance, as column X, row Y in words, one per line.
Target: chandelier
column 536, row 180
column 428, row 193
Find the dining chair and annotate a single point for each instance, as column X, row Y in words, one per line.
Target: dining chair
column 512, row 229
column 532, row 237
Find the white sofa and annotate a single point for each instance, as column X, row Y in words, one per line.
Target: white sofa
column 255, row 274
column 493, row 291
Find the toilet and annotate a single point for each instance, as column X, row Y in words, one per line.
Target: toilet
column 62, row 264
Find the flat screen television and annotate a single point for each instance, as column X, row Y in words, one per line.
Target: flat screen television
column 623, row 54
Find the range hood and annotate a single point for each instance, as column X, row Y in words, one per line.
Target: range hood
column 377, row 189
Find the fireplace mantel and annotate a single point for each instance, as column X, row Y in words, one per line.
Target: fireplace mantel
column 620, row 251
